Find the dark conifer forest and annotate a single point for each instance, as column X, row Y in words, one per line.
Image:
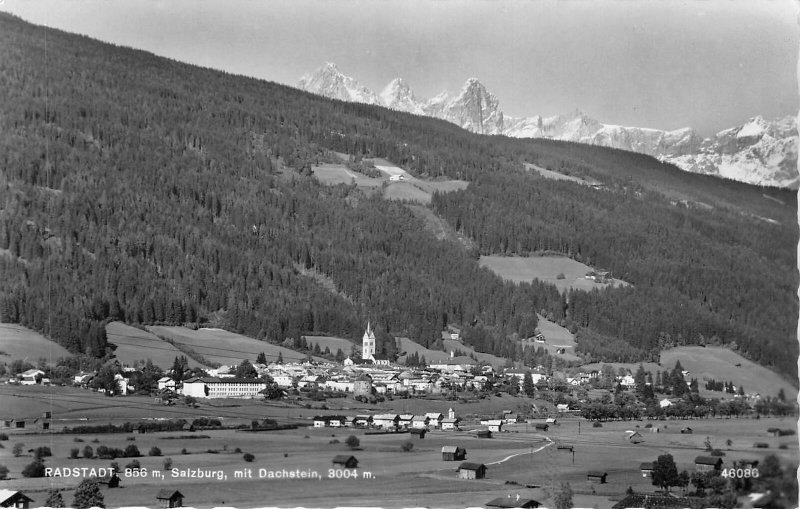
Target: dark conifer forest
column 141, row 189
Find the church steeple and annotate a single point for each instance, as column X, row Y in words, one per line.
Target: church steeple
column 368, row 344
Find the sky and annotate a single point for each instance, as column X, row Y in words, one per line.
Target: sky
column 667, row 64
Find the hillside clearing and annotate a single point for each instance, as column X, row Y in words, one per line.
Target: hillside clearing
column 18, row 342
column 138, row 345
column 226, row 348
column 545, row 268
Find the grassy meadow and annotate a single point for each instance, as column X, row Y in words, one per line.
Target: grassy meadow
column 18, row 342
column 545, row 268
column 135, row 344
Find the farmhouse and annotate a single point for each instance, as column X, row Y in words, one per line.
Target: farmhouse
column 469, row 470
column 215, row 387
column 494, row 425
column 420, row 422
column 385, row 420
column 707, row 463
column 170, row 498
column 646, row 469
column 31, row 376
column 509, row 501
column 17, row 499
column 345, row 461
column 597, row 477
column 450, row 424
column 453, row 453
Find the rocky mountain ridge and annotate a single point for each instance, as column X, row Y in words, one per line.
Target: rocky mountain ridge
column 758, row 152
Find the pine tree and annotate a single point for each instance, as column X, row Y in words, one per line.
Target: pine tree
column 54, row 499
column 527, row 384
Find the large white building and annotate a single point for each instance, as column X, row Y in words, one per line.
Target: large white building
column 214, row 387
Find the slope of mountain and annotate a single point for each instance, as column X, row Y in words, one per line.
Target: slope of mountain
column 759, row 152
column 142, row 189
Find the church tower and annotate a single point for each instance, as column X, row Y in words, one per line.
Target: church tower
column 368, row 344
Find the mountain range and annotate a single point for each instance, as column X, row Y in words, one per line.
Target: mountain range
column 760, row 151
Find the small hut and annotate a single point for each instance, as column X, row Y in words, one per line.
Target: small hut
column 170, row 498
column 453, row 453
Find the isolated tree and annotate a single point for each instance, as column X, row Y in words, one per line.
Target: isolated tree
column 665, row 472
column 88, row 452
column 352, row 441
column 563, row 497
column 167, row 463
column 280, row 358
column 527, row 384
column 246, row 370
column 34, row 469
column 87, row 495
column 17, row 449
column 3, row 472
column 262, row 358
column 54, row 499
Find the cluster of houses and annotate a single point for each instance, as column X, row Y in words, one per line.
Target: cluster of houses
column 391, row 422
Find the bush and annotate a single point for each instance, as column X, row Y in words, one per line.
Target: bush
column 88, row 452
column 130, row 439
column 238, row 450
column 74, row 453
column 717, row 452
column 167, row 463
column 133, row 465
column 334, row 441
column 3, row 437
column 96, row 441
column 184, row 451
column 154, row 451
column 596, row 424
column 132, row 451
column 54, row 499
column 407, row 446
column 78, row 440
column 42, row 452
column 17, row 450
column 34, row 469
column 248, row 457
column 352, row 441
column 3, row 472
column 761, row 445
column 87, row 495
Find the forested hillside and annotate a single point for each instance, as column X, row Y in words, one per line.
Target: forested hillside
column 141, row 189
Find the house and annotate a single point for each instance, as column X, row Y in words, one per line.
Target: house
column 509, row 501
column 362, row 421
column 453, row 453
column 562, row 407
column 30, row 377
column 166, row 382
column 385, row 420
column 345, row 461
column 169, row 498
column 16, row 499
column 494, row 425
column 646, row 469
column 450, row 424
column 469, row 470
column 405, row 420
column 597, row 477
column 215, row 387
column 664, row 403
column 419, row 432
column 420, row 422
column 551, row 420
column 707, row 463
column 634, row 437
column 483, row 433
column 397, row 178
column 435, row 419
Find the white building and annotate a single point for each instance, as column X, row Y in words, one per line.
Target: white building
column 213, row 387
column 368, row 344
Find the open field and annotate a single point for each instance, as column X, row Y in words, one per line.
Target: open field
column 545, row 268
column 227, row 348
column 137, row 345
column 387, row 475
column 18, row 342
column 406, row 191
column 554, row 175
column 719, row 364
column 333, row 174
column 555, row 337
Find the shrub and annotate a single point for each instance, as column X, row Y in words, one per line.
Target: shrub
column 96, row 441
column 130, row 439
column 717, row 452
column 54, row 499
column 560, row 276
column 77, row 439
column 761, row 445
column 184, row 451
column 3, row 472
column 88, row 452
column 132, row 451
column 248, row 457
column 352, row 441
column 133, row 465
column 596, row 424
column 154, row 451
column 334, row 441
column 42, row 452
column 238, row 450
column 167, row 463
column 74, row 453
column 407, row 446
column 17, row 450
column 87, row 495
column 3, row 437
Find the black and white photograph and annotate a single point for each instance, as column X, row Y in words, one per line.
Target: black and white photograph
column 399, row 254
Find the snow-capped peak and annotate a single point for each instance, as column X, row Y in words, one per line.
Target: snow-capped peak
column 397, row 95
column 330, row 82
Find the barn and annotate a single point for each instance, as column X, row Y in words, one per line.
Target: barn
column 345, row 461
column 170, row 498
column 469, row 470
column 597, row 477
column 453, row 453
column 16, row 499
column 707, row 463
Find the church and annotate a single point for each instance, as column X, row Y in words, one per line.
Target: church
column 368, row 347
